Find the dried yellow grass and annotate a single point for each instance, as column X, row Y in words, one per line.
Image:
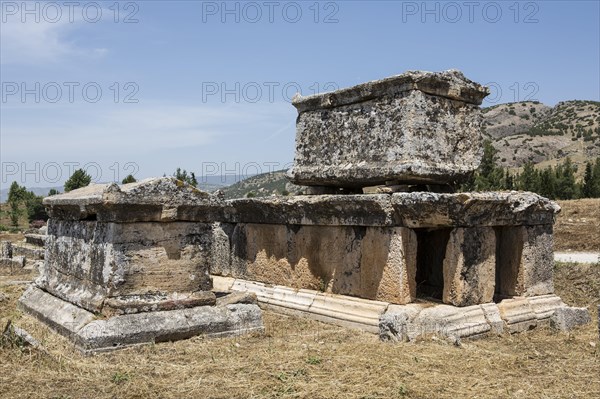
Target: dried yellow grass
column 298, row 358
column 577, row 226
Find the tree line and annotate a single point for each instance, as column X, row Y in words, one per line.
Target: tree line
column 557, row 183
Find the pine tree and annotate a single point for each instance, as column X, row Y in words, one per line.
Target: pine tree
column 588, row 181
column 529, row 178
column 489, row 176
column 509, row 182
column 184, row 176
column 77, row 180
column 595, row 189
column 128, row 179
column 16, row 195
column 565, row 180
column 547, row 183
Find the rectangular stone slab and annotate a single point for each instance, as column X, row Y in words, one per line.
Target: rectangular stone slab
column 413, row 210
column 418, row 127
column 91, row 334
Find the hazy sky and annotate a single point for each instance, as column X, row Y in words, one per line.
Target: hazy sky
column 147, row 86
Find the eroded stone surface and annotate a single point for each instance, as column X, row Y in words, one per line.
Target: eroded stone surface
column 90, row 261
column 470, row 266
column 91, row 334
column 418, row 127
column 368, row 262
column 155, row 199
column 413, row 210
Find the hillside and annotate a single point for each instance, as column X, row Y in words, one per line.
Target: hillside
column 531, row 131
column 263, row 185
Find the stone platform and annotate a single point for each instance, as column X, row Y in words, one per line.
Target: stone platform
column 462, row 249
column 92, row 334
column 415, row 320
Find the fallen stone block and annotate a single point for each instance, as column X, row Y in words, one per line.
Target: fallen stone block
column 35, row 239
column 14, row 265
column 19, row 336
column 566, row 318
column 28, row 250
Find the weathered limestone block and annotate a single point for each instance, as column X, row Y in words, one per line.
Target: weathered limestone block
column 28, row 250
column 518, row 314
column 35, row 239
column 130, row 248
column 567, row 318
column 325, row 210
column 369, row 262
column 6, row 249
column 413, row 210
column 91, row 334
column 337, row 309
column 537, row 268
column 150, row 200
column 14, row 265
column 505, row 208
column 470, row 266
column 89, row 261
column 418, row 127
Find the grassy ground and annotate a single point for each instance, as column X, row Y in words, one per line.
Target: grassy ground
column 577, row 227
column 299, row 358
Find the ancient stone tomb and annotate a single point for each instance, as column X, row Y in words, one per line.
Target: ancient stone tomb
column 160, row 260
column 130, row 264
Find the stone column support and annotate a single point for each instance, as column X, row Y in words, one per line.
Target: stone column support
column 470, row 266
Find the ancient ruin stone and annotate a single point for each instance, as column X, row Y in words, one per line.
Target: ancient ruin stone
column 143, row 256
column 6, row 249
column 413, row 210
column 150, row 200
column 418, row 127
column 126, row 247
column 462, row 249
column 138, row 255
column 469, row 266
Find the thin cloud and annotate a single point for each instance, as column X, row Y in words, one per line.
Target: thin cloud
column 32, row 43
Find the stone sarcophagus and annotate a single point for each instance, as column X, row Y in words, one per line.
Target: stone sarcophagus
column 130, row 264
column 418, row 127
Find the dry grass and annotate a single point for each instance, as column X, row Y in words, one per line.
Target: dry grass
column 299, row 358
column 577, row 227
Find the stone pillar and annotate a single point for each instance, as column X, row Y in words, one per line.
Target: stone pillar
column 6, row 249
column 470, row 266
column 537, row 261
column 389, row 265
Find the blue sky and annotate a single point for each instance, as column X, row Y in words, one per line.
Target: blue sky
column 147, row 86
